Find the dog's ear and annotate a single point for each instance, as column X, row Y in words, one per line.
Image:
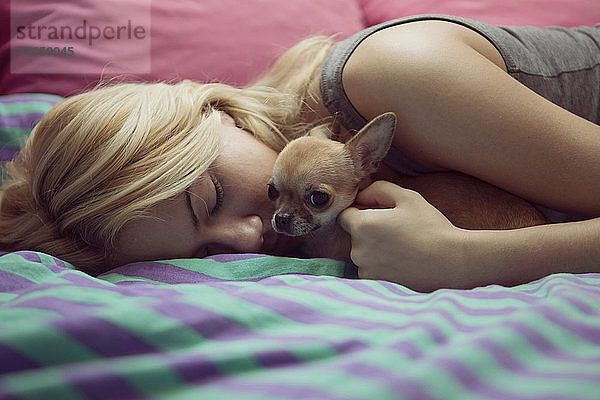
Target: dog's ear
column 320, row 131
column 370, row 145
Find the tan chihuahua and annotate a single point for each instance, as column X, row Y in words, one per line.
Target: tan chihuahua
column 315, row 178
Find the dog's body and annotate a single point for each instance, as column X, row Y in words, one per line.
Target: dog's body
column 315, row 178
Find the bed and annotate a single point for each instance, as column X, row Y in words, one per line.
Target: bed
column 254, row 326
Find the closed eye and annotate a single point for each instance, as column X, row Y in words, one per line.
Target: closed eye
column 219, row 194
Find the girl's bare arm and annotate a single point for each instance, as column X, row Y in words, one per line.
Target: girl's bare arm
column 459, row 110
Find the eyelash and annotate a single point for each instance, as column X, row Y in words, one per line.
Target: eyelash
column 219, row 190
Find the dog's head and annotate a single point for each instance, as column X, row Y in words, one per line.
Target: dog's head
column 315, row 178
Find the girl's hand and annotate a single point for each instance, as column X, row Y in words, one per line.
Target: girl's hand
column 399, row 237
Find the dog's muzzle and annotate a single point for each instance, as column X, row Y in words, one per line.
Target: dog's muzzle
column 283, row 222
column 287, row 224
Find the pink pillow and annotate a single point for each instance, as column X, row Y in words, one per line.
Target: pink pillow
column 500, row 12
column 229, row 41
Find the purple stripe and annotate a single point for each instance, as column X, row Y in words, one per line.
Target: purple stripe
column 215, row 326
column 347, row 346
column 193, row 368
column 29, row 255
column 60, row 263
column 303, row 314
column 206, row 323
column 510, row 363
column 10, row 282
column 154, row 291
column 24, row 121
column 588, row 332
column 196, row 368
column 542, row 345
column 82, row 279
column 64, row 308
column 13, row 361
column 470, row 381
column 158, row 292
column 33, row 256
column 473, row 384
column 97, row 334
column 393, row 305
column 4, row 395
column 23, row 97
column 309, row 316
column 276, row 390
column 582, row 306
column 235, row 257
column 277, row 358
column 161, row 272
column 97, row 383
column 416, row 297
column 8, row 153
column 571, row 278
column 405, row 388
column 406, row 348
column 502, row 293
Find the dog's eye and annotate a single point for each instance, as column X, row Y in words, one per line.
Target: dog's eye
column 273, row 193
column 319, row 199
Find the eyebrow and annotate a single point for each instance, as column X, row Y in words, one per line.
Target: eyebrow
column 188, row 201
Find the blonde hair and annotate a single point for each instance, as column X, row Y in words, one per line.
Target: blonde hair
column 102, row 158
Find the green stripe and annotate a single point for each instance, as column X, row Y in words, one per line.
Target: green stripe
column 247, row 269
column 560, row 337
column 324, row 376
column 50, row 260
column 34, row 96
column 492, row 374
column 148, row 375
column 32, row 270
column 13, row 137
column 209, row 392
column 255, row 317
column 44, row 344
column 14, row 316
column 440, row 300
column 533, row 360
column 40, row 385
column 261, row 267
column 6, row 297
column 25, row 107
column 114, row 277
column 130, row 313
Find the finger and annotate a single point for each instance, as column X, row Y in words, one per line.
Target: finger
column 348, row 218
column 380, row 194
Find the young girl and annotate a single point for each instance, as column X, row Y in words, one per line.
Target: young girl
column 135, row 172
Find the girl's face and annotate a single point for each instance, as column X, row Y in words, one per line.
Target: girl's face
column 227, row 210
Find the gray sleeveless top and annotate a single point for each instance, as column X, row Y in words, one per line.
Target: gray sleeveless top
column 560, row 64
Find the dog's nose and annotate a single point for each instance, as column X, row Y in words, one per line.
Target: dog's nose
column 283, row 221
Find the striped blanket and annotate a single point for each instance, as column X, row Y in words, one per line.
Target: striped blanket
column 262, row 327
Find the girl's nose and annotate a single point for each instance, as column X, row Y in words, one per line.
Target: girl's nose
column 240, row 234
